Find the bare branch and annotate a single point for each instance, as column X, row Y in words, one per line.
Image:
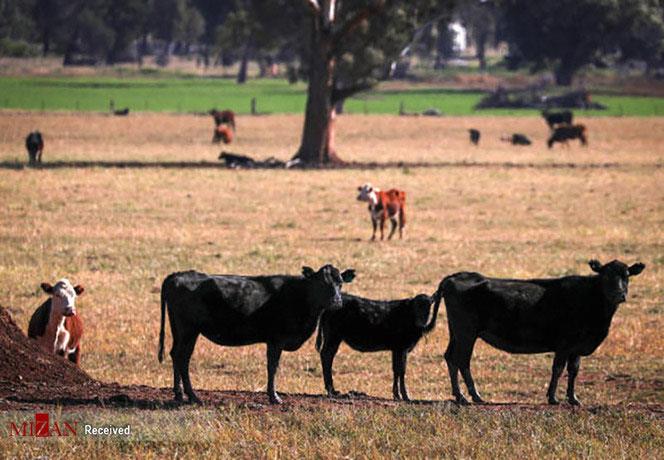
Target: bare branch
column 313, row 4
column 339, row 94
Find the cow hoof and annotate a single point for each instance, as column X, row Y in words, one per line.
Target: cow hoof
column 194, row 400
column 462, row 401
column 275, row 399
column 553, row 401
column 573, row 401
column 478, row 400
column 332, row 393
column 177, row 397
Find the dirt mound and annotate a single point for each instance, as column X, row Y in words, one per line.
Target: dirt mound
column 24, row 365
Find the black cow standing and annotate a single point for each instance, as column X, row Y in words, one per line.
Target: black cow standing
column 474, row 136
column 558, row 118
column 34, row 143
column 281, row 311
column 376, row 325
column 564, row 133
column 569, row 316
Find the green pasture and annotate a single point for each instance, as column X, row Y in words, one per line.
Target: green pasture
column 272, row 96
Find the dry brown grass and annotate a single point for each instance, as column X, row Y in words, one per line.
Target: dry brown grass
column 120, row 232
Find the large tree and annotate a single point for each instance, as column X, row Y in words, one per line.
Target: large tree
column 569, row 34
column 350, row 43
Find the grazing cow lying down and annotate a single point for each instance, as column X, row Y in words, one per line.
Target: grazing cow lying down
column 34, row 144
column 558, row 118
column 281, row 311
column 376, row 325
column 516, row 139
column 474, row 136
column 569, row 316
column 223, row 117
column 564, row 133
column 55, row 324
column 223, row 133
column 384, row 205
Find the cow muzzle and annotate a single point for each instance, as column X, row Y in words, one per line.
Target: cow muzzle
column 70, row 312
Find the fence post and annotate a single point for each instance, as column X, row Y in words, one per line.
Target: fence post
column 253, row 106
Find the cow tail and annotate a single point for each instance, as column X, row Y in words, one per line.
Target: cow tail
column 160, row 354
column 320, row 338
column 437, row 297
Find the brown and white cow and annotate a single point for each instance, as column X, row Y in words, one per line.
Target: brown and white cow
column 55, row 324
column 383, row 205
column 223, row 117
column 223, row 133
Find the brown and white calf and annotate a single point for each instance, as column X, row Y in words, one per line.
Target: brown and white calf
column 55, row 324
column 384, row 205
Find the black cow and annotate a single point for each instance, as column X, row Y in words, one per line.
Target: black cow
column 558, row 118
column 564, row 133
column 34, row 143
column 569, row 316
column 376, row 325
column 474, row 136
column 281, row 311
column 121, row 113
column 516, row 139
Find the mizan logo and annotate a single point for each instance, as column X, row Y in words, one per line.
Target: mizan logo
column 42, row 428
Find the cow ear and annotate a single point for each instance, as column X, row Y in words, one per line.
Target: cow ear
column 636, row 269
column 348, row 275
column 308, row 272
column 595, row 265
column 359, row 189
column 78, row 289
column 47, row 288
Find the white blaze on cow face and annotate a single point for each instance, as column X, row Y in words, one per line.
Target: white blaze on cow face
column 368, row 194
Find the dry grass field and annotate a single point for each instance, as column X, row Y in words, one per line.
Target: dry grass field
column 119, row 232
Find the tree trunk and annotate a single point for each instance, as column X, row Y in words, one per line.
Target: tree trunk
column 317, row 145
column 46, row 43
column 242, row 73
column 564, row 73
column 480, row 43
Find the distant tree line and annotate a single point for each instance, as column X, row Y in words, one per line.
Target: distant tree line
column 563, row 36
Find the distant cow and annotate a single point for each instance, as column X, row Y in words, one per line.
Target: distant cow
column 34, row 144
column 222, row 133
column 223, row 117
column 281, row 311
column 564, row 133
column 569, row 316
column 474, row 136
column 558, row 118
column 121, row 113
column 376, row 325
column 384, row 205
column 55, row 324
column 516, row 139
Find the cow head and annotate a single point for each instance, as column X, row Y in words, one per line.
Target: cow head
column 421, row 308
column 367, row 193
column 63, row 297
column 614, row 277
column 328, row 284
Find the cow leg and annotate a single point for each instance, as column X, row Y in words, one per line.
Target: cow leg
column 181, row 358
column 402, row 357
column 470, row 383
column 75, row 356
column 453, row 370
column 557, row 369
column 375, row 225
column 401, row 223
column 382, row 227
column 573, row 363
column 464, row 352
column 273, row 356
column 396, row 372
column 327, row 354
column 393, row 221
